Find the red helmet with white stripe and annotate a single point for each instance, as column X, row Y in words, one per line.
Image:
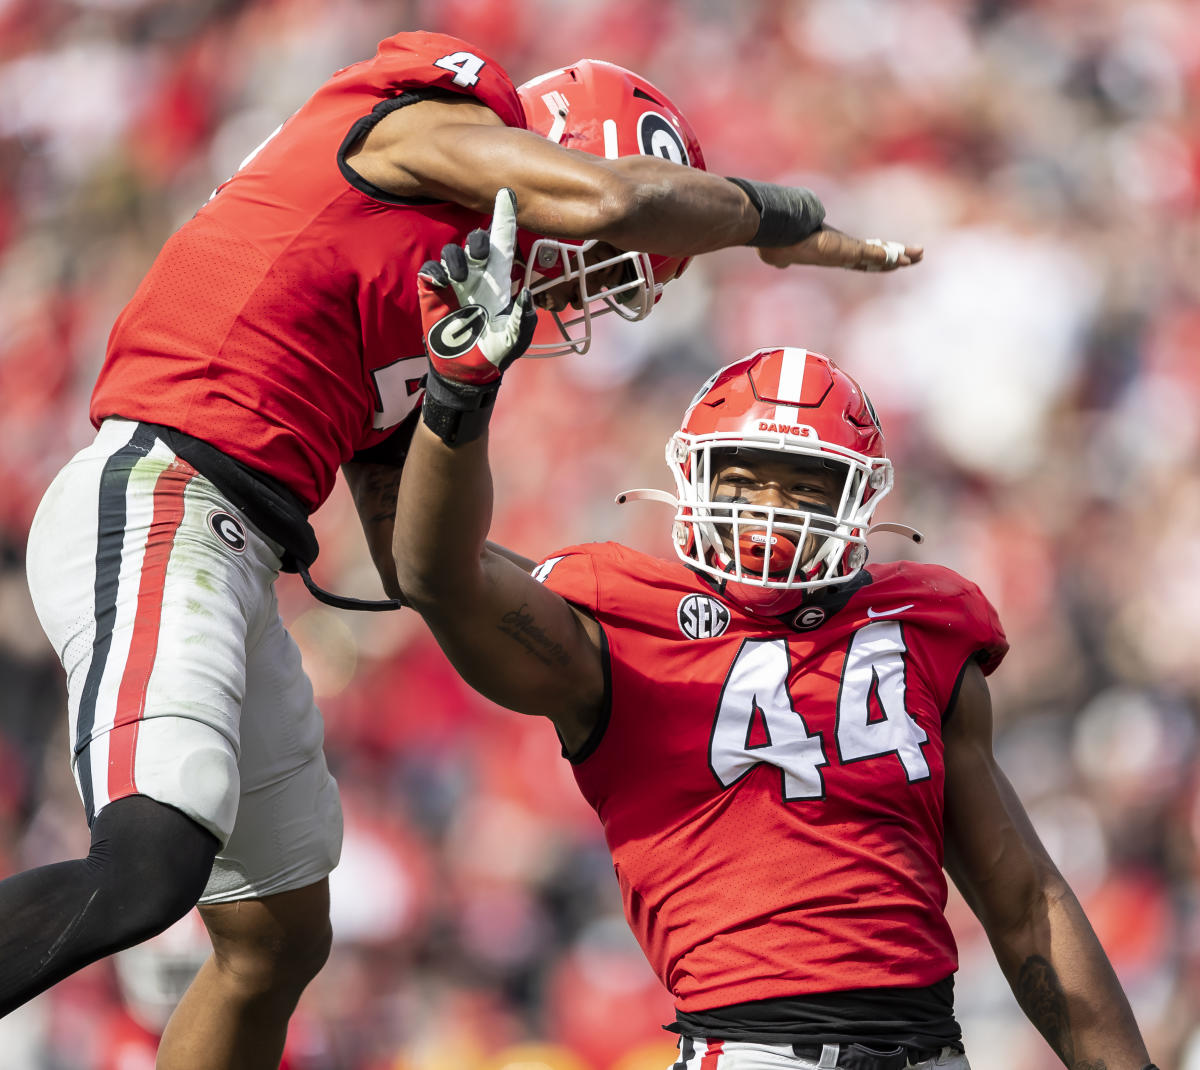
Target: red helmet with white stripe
column 609, row 111
column 801, row 406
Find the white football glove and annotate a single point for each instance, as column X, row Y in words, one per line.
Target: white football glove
column 473, row 327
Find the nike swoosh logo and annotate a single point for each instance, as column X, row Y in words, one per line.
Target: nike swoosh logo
column 888, row 612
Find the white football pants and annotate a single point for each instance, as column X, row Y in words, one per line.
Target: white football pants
column 183, row 685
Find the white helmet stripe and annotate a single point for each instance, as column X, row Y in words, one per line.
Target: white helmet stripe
column 611, row 151
column 791, row 384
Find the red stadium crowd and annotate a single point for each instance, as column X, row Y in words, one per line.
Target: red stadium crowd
column 1036, row 380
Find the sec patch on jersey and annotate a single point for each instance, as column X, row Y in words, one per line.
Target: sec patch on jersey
column 702, row 617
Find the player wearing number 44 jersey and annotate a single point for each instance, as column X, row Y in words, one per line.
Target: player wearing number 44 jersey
column 784, row 744
column 276, row 338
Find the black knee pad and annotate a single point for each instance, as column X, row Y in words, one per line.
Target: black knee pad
column 150, row 864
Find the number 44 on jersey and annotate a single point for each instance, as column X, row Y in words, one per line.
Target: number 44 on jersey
column 757, row 720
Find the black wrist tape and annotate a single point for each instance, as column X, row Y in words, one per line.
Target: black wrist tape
column 786, row 214
column 457, row 412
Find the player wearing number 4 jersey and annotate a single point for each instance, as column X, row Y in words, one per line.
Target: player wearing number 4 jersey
column 785, row 745
column 276, row 338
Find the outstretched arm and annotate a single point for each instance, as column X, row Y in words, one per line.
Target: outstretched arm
column 460, row 150
column 1042, row 939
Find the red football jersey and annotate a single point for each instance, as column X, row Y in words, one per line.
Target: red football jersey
column 772, row 795
column 280, row 324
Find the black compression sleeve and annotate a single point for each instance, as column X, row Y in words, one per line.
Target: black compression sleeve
column 147, row 866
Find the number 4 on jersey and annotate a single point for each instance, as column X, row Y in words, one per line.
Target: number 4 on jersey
column 875, row 666
column 757, row 722
column 464, row 65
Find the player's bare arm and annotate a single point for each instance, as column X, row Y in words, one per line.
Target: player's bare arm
column 1043, row 942
column 374, row 488
column 462, row 151
column 510, row 638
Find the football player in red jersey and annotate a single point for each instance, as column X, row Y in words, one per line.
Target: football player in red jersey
column 276, row 338
column 786, row 746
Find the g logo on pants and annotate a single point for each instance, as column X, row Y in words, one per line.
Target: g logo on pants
column 228, row 529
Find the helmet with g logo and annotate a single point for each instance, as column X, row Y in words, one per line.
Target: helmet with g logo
column 606, row 110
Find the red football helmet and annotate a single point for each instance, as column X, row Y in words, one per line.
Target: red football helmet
column 801, row 405
column 609, row 111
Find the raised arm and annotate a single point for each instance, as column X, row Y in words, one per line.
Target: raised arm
column 460, row 150
column 512, row 639
column 1053, row 962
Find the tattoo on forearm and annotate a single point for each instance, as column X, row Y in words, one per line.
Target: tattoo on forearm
column 520, row 625
column 375, row 494
column 1041, row 996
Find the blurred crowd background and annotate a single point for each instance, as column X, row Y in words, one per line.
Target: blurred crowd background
column 1037, row 382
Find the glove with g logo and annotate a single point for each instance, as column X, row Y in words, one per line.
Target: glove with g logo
column 473, row 326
